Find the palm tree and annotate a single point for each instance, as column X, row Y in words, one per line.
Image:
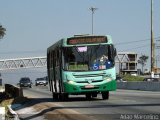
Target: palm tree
column 2, row 31
column 142, row 60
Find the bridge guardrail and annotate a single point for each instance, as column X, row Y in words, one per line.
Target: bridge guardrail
column 147, row 86
column 13, row 91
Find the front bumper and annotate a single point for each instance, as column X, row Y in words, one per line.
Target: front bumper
column 78, row 89
column 41, row 83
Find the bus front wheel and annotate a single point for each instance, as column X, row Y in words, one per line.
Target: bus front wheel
column 63, row 96
column 88, row 96
column 105, row 95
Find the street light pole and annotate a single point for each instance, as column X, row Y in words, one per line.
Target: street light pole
column 92, row 10
column 152, row 41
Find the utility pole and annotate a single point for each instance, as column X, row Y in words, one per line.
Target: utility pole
column 152, row 41
column 92, row 10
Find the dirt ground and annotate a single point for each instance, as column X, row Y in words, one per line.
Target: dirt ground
column 37, row 110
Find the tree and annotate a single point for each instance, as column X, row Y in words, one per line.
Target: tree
column 2, row 31
column 142, row 60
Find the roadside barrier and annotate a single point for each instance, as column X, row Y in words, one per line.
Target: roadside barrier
column 12, row 114
column 148, row 86
column 2, row 113
column 13, row 91
column 0, row 81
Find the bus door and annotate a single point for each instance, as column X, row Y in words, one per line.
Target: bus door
column 58, row 77
column 48, row 71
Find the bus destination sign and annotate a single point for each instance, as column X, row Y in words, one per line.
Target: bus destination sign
column 86, row 40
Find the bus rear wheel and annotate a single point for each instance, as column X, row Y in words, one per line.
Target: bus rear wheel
column 63, row 96
column 105, row 95
column 55, row 96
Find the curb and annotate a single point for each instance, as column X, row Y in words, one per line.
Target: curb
column 146, row 86
column 2, row 113
column 12, row 113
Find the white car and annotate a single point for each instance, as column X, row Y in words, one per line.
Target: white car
column 41, row 81
column 133, row 74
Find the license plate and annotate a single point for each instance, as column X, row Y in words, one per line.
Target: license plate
column 89, row 86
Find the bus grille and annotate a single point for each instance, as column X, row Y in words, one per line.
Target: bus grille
column 89, row 75
column 94, row 81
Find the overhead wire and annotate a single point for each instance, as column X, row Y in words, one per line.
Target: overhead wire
column 116, row 44
column 123, row 43
column 136, row 47
column 136, row 41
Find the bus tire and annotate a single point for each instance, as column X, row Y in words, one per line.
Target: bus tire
column 105, row 95
column 88, row 96
column 63, row 96
column 94, row 94
column 55, row 96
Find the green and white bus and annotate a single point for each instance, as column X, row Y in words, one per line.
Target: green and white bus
column 83, row 64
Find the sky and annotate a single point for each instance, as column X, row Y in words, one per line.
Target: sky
column 34, row 25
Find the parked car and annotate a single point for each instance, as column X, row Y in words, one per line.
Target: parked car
column 25, row 82
column 151, row 79
column 156, row 75
column 41, row 81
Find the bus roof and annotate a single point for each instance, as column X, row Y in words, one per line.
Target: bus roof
column 63, row 41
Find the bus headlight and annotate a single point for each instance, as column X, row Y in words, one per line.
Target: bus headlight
column 70, row 82
column 108, row 79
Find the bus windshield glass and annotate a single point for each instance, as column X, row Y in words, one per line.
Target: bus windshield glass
column 87, row 58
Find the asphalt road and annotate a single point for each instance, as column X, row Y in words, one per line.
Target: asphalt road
column 122, row 104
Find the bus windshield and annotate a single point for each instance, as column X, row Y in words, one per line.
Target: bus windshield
column 87, row 58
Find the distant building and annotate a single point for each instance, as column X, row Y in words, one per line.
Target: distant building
column 127, row 62
column 157, row 70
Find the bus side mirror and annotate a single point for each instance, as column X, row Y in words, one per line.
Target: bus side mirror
column 112, row 52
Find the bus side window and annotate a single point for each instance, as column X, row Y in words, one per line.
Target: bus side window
column 57, row 57
column 51, row 57
column 71, row 57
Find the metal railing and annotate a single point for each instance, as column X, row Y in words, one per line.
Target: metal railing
column 32, row 62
